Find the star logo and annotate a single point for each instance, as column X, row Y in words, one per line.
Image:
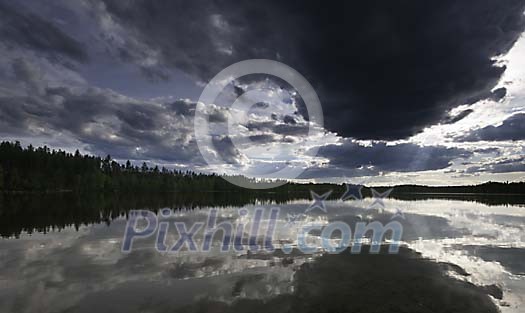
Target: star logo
column 399, row 213
column 318, row 201
column 379, row 197
column 352, row 191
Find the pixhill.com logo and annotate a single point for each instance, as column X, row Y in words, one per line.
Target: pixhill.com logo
column 256, row 231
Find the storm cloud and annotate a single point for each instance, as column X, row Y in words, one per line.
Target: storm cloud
column 105, row 76
column 383, row 69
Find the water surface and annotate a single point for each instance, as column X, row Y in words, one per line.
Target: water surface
column 63, row 254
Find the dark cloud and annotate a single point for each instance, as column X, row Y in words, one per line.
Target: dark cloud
column 20, row 28
column 498, row 94
column 352, row 158
column 183, row 108
column 383, row 69
column 278, row 127
column 488, row 150
column 226, row 149
column 451, row 119
column 501, row 166
column 263, row 138
column 259, row 105
column 288, row 119
column 513, row 128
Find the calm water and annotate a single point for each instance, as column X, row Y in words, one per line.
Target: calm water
column 61, row 254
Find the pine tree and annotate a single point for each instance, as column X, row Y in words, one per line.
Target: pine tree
column 1, row 178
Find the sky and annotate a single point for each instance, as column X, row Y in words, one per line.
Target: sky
column 411, row 91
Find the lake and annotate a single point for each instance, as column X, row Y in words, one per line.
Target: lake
column 63, row 253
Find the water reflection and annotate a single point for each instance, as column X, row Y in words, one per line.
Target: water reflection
column 46, row 212
column 82, row 269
